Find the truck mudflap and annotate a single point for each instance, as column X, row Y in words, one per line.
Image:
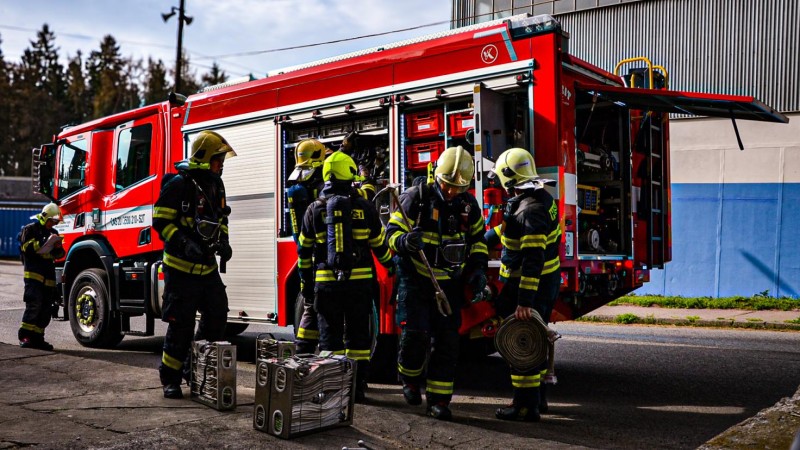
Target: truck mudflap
column 157, row 287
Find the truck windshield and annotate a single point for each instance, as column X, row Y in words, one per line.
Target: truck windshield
column 71, row 174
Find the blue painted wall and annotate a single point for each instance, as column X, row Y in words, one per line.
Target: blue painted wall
column 732, row 239
column 11, row 220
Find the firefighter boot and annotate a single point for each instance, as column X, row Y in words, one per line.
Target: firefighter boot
column 362, row 373
column 39, row 344
column 524, row 407
column 411, row 394
column 173, row 391
column 438, row 407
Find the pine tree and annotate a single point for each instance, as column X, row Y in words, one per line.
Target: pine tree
column 105, row 78
column 189, row 84
column 37, row 99
column 215, row 76
column 6, row 157
column 155, row 82
column 78, row 103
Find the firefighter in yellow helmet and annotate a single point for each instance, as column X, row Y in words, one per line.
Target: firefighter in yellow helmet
column 191, row 217
column 305, row 185
column 446, row 223
column 40, row 246
column 340, row 233
column 530, row 234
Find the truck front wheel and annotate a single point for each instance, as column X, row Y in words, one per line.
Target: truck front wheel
column 90, row 313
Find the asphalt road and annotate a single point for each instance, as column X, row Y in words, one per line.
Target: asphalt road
column 622, row 387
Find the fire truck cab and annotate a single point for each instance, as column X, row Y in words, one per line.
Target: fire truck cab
column 603, row 137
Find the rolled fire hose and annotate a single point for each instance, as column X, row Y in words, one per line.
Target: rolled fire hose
column 523, row 343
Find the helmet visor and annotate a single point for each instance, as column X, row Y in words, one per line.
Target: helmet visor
column 301, row 173
column 452, row 186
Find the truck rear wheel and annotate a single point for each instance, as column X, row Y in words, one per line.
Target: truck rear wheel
column 90, row 312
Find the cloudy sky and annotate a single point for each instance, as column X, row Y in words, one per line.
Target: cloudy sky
column 242, row 36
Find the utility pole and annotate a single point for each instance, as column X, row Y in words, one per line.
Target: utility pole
column 182, row 17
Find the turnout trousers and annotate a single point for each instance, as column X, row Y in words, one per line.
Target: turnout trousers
column 344, row 311
column 184, row 296
column 38, row 308
column 427, row 334
column 527, row 384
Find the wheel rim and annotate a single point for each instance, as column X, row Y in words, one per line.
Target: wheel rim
column 86, row 309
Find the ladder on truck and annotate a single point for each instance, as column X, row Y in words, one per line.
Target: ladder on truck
column 652, row 137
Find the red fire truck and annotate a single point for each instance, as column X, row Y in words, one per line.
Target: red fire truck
column 604, row 138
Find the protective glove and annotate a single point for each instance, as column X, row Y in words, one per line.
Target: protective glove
column 225, row 251
column 192, row 249
column 477, row 281
column 410, row 242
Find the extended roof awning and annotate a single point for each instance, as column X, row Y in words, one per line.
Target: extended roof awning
column 695, row 103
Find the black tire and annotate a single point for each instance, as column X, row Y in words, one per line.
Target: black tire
column 90, row 311
column 235, row 328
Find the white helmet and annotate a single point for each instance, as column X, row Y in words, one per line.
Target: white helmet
column 51, row 211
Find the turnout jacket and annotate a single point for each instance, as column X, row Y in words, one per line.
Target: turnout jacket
column 530, row 236
column 39, row 267
column 367, row 234
column 441, row 222
column 179, row 206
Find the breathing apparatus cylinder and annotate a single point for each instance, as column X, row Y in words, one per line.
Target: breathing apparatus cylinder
column 492, row 203
column 340, row 236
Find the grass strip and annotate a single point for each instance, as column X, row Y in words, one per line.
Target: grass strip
column 755, row 303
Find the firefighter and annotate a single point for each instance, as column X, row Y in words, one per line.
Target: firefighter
column 191, row 218
column 530, row 234
column 40, row 246
column 446, row 223
column 339, row 229
column 306, row 185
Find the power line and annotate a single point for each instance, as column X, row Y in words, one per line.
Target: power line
column 193, row 54
column 84, row 36
column 273, row 50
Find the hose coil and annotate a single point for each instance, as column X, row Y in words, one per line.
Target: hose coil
column 523, row 343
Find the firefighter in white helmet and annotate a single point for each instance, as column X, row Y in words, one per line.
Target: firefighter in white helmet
column 191, row 217
column 305, row 186
column 40, row 246
column 446, row 223
column 530, row 234
column 341, row 232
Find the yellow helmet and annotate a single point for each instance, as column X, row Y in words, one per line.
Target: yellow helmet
column 308, row 155
column 455, row 167
column 340, row 167
column 207, row 145
column 515, row 167
column 51, row 211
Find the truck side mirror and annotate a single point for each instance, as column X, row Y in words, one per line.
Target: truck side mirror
column 43, row 162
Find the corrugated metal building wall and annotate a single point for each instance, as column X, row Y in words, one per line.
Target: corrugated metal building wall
column 11, row 220
column 734, row 212
column 740, row 47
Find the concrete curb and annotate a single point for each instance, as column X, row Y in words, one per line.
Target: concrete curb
column 775, row 427
column 628, row 319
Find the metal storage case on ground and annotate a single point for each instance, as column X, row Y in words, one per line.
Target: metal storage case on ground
column 213, row 381
column 306, row 393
